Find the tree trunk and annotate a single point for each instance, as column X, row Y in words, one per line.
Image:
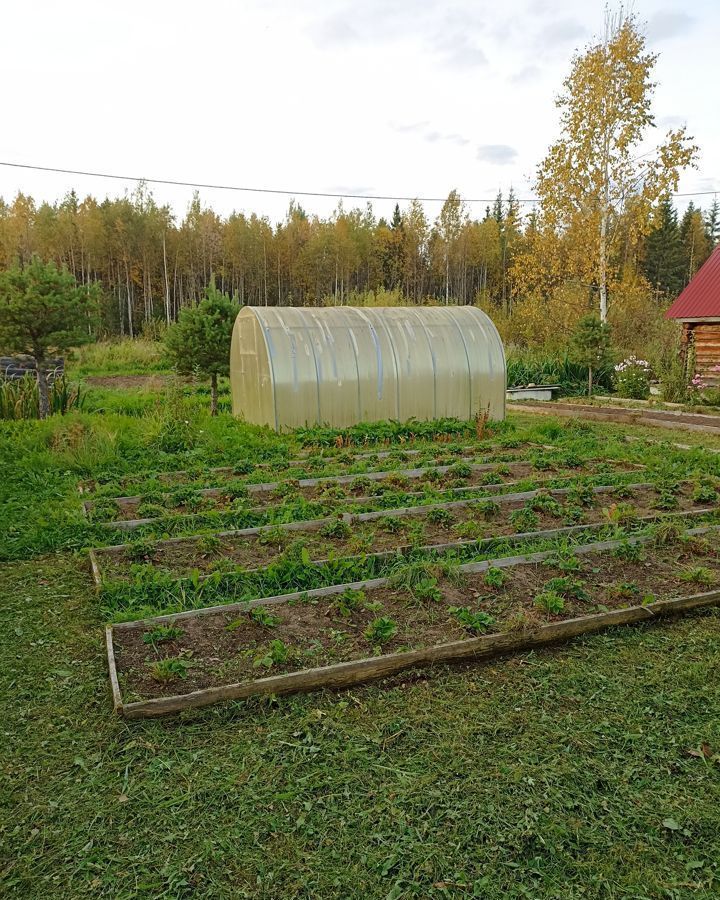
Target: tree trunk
column 213, row 394
column 590, row 381
column 168, row 317
column 604, row 216
column 43, row 392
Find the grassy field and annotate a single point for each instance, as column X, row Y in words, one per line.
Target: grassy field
column 592, row 770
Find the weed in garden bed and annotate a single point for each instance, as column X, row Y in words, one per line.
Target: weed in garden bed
column 337, row 529
column 567, row 587
column 161, row 634
column 549, row 602
column 349, row 601
column 698, row 575
column 495, row 577
column 276, row 653
column 474, row 622
column 170, row 668
column 524, row 519
column 381, row 630
column 629, row 551
column 262, row 616
column 141, row 550
column 208, row 544
column 440, row 517
column 564, row 560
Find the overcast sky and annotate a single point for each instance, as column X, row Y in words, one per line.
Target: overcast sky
column 392, row 97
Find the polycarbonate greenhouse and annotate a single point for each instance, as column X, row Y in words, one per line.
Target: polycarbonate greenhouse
column 340, row 365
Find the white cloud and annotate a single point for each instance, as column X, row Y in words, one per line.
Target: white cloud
column 496, row 154
column 669, row 23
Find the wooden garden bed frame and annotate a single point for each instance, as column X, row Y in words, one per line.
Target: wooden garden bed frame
column 132, row 524
column 344, row 674
column 315, row 524
column 666, row 418
column 90, row 487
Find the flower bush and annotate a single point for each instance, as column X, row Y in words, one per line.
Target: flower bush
column 632, row 378
column 701, row 391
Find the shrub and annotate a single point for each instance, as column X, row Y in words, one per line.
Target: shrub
column 632, row 378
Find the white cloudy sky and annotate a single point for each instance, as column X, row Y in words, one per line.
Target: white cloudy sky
column 398, row 97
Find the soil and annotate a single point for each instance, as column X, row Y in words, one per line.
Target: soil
column 183, row 556
column 226, row 647
column 359, row 489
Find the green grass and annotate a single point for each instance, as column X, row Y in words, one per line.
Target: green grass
column 120, row 357
column 587, row 772
column 574, row 773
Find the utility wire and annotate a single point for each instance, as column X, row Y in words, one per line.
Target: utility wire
column 256, row 190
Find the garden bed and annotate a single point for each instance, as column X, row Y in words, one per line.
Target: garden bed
column 354, row 488
column 664, row 418
column 438, row 526
column 318, row 463
column 424, row 613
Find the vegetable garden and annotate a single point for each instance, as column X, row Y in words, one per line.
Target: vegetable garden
column 343, row 565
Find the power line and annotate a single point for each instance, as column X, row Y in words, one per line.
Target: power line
column 253, row 190
column 256, row 190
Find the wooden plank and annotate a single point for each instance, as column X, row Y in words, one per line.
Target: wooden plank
column 95, row 568
column 480, row 648
column 114, row 683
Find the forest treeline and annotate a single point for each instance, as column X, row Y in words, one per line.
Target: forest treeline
column 150, row 266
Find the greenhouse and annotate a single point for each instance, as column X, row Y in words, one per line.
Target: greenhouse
column 337, row 366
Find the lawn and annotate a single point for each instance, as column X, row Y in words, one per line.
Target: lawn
column 590, row 770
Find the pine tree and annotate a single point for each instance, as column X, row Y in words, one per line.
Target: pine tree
column 200, row 340
column 590, row 346
column 42, row 312
column 664, row 254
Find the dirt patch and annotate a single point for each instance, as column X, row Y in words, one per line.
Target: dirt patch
column 226, row 647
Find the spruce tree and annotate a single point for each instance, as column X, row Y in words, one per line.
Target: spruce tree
column 712, row 223
column 695, row 243
column 664, row 255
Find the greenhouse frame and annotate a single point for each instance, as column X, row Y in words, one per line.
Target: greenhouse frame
column 336, row 366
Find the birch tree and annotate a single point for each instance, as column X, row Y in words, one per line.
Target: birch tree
column 597, row 171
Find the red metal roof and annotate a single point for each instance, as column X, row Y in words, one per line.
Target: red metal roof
column 701, row 298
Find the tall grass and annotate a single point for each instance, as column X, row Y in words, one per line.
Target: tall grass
column 535, row 367
column 123, row 357
column 19, row 399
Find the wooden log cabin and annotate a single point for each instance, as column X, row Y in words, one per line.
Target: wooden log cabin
column 698, row 310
